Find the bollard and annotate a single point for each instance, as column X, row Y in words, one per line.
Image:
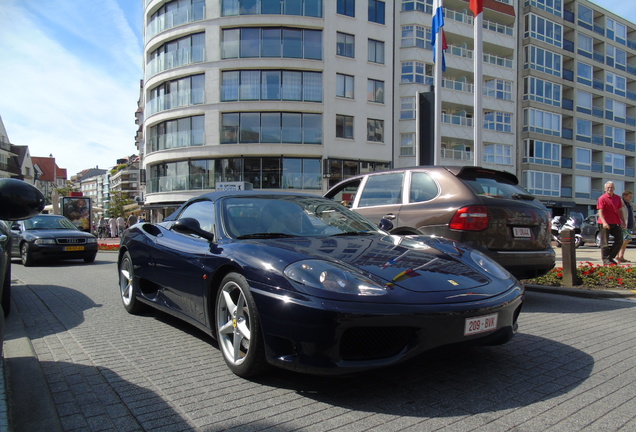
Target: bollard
column 568, row 252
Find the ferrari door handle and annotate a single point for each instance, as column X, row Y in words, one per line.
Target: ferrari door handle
column 389, row 216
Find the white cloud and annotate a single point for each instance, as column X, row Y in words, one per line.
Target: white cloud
column 69, row 83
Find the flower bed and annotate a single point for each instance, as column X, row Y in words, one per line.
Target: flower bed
column 592, row 276
column 107, row 247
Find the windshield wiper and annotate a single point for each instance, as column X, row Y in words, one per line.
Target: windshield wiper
column 265, row 235
column 352, row 233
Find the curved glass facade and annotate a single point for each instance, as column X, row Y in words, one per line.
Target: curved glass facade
column 262, row 172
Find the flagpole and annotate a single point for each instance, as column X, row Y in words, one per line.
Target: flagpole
column 478, row 54
column 437, row 86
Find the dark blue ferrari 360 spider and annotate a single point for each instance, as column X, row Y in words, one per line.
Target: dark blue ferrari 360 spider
column 303, row 283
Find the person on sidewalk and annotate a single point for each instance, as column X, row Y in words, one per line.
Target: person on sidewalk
column 628, row 217
column 610, row 219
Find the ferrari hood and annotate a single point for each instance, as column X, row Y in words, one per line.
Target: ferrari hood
column 421, row 264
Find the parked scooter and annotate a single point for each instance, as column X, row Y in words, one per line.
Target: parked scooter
column 573, row 222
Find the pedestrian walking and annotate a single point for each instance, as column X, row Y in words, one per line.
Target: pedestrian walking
column 112, row 223
column 121, row 226
column 132, row 219
column 628, row 217
column 610, row 220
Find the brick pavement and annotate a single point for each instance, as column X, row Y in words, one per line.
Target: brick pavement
column 571, row 367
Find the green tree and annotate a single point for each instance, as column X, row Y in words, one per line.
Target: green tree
column 117, row 203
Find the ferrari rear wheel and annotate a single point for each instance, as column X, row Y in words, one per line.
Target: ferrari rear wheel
column 238, row 327
column 127, row 286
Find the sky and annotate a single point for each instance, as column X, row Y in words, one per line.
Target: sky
column 69, row 78
column 70, row 72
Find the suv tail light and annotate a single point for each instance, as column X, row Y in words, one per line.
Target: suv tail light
column 471, row 218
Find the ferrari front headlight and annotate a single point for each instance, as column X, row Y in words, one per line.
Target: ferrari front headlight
column 333, row 277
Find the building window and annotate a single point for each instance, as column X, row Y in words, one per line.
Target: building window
column 583, row 159
column 272, row 42
column 375, row 130
column 498, row 88
column 584, row 73
column 407, row 107
column 416, row 36
column 346, row 7
column 585, row 45
column 586, row 16
column 498, row 121
column 309, row 8
column 615, row 110
column 271, row 85
column 177, row 93
column 616, row 31
column 583, row 130
column 344, row 126
column 416, row 72
column 542, row 91
column 375, row 91
column 407, row 144
column 555, row 7
column 582, row 187
column 344, row 86
column 499, row 154
column 614, row 164
column 376, row 11
column 542, row 183
column 541, row 152
column 175, row 13
column 615, row 137
column 183, row 132
column 176, row 53
column 616, row 57
column 584, row 102
column 271, row 127
column 615, row 84
column 376, row 51
column 418, row 5
column 544, row 30
column 345, row 45
column 536, row 120
column 542, row 60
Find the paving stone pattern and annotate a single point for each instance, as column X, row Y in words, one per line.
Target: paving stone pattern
column 571, row 367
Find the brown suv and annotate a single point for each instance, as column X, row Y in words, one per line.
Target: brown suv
column 483, row 208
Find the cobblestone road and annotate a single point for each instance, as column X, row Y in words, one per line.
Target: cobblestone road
column 571, row 367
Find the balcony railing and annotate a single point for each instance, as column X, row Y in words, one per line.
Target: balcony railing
column 462, row 155
column 457, row 120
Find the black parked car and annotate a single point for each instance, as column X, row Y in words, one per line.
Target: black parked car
column 48, row 237
column 18, row 200
column 301, row 282
column 482, row 208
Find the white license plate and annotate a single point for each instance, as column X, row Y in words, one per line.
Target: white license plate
column 521, row 232
column 480, row 324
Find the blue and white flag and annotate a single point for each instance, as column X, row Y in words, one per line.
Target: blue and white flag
column 438, row 31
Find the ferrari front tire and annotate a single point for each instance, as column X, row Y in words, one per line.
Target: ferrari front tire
column 238, row 327
column 127, row 287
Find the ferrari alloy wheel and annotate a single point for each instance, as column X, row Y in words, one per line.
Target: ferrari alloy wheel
column 238, row 327
column 127, row 285
column 25, row 254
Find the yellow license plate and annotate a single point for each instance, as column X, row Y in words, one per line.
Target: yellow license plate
column 73, row 248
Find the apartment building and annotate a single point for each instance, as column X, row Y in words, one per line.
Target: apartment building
column 284, row 95
column 414, row 75
column 299, row 94
column 577, row 113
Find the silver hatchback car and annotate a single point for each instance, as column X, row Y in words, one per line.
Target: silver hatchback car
column 482, row 208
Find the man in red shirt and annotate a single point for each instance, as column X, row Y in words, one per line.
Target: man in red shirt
column 610, row 219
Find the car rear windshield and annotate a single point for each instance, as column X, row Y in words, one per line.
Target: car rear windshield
column 493, row 185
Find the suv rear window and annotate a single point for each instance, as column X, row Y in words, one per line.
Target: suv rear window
column 492, row 185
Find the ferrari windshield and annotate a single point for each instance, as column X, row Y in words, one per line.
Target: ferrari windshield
column 282, row 216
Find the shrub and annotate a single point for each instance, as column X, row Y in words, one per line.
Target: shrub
column 592, row 276
column 107, row 247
